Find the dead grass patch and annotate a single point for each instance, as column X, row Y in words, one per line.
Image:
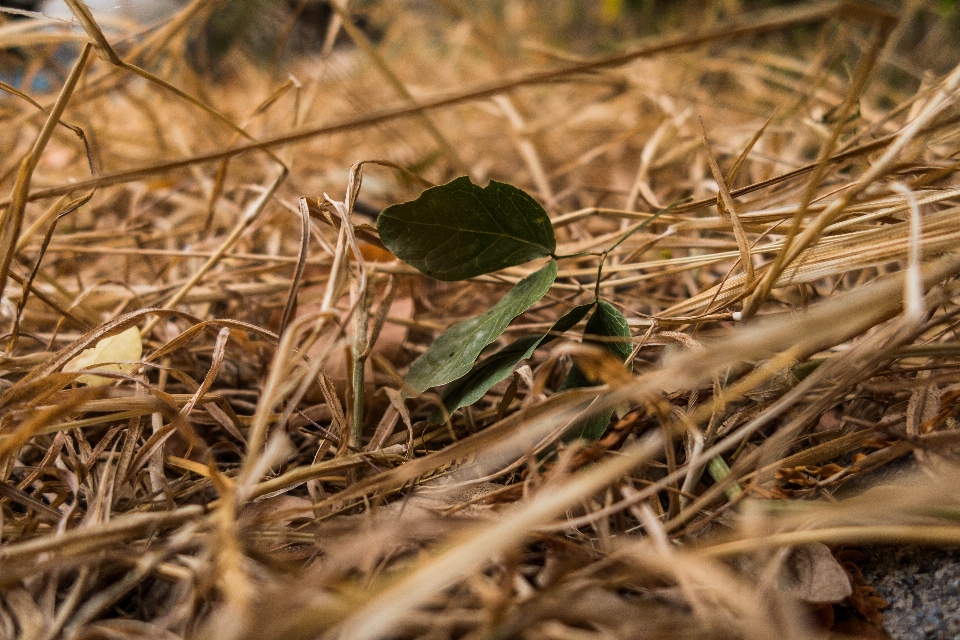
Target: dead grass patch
column 794, row 319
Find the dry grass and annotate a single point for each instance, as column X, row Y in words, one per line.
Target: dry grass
column 794, row 318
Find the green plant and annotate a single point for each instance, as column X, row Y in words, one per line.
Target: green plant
column 458, row 231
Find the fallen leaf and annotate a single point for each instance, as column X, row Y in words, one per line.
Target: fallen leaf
column 814, row 575
column 114, row 353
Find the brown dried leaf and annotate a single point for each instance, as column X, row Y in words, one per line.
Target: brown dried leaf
column 812, row 574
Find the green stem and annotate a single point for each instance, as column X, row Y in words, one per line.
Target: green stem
column 719, row 471
column 603, row 255
column 356, row 431
column 359, row 353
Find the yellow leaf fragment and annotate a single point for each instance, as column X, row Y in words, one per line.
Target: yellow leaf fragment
column 114, row 353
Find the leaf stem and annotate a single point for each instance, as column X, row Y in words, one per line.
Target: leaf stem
column 606, row 252
column 579, row 254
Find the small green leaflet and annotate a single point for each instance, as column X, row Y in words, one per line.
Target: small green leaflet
column 605, row 322
column 457, row 230
column 453, row 353
column 498, row 366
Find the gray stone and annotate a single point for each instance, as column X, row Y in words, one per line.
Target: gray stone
column 922, row 586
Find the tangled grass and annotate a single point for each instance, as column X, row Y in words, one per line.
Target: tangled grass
column 794, row 319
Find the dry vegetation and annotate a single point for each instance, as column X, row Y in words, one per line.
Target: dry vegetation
column 794, row 321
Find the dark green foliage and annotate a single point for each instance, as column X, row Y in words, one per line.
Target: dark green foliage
column 452, row 354
column 606, row 322
column 501, row 364
column 457, row 230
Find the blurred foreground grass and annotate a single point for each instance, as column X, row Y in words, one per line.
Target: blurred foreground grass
column 793, row 321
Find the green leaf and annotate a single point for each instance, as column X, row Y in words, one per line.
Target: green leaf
column 453, row 353
column 457, row 230
column 606, row 322
column 498, row 366
column 566, row 322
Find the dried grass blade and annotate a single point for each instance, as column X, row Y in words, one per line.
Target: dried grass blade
column 728, row 209
column 69, row 352
column 107, row 52
column 830, row 257
column 11, row 218
column 28, row 285
column 797, row 242
column 16, row 556
column 217, row 361
column 398, row 597
column 26, row 500
column 913, row 289
column 763, row 22
column 935, row 535
column 11, row 442
column 363, row 42
column 291, row 306
column 837, row 319
column 251, row 214
column 571, row 401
